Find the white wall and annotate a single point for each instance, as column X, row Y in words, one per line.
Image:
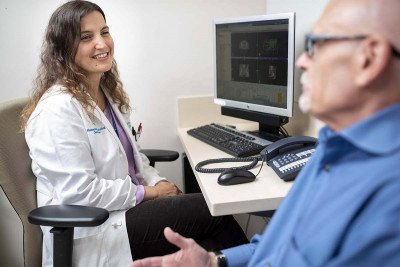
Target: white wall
column 163, row 48
column 165, row 52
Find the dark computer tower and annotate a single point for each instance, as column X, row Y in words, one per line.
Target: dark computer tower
column 190, row 182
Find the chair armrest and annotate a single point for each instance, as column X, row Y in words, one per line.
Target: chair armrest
column 157, row 155
column 68, row 216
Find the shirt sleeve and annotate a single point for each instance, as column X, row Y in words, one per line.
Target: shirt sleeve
column 240, row 255
column 139, row 194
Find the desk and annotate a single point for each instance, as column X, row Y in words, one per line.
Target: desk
column 265, row 193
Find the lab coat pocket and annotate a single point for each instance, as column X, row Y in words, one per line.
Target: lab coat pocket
column 117, row 240
column 90, row 251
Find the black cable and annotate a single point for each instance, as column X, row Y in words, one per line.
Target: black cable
column 254, row 160
column 283, row 131
column 262, row 163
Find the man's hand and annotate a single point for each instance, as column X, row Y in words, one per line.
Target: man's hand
column 190, row 254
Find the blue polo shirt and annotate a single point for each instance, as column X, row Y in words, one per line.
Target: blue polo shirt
column 344, row 208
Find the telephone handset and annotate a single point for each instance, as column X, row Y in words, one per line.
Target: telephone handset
column 288, row 155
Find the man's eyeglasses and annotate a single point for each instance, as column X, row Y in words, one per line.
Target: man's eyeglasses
column 312, row 39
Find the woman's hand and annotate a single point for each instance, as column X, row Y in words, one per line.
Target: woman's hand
column 161, row 189
column 166, row 188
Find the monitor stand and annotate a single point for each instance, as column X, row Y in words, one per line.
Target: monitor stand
column 267, row 132
column 269, row 124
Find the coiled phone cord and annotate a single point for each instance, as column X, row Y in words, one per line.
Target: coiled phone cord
column 254, row 160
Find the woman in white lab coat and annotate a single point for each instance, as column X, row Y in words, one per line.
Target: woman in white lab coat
column 77, row 126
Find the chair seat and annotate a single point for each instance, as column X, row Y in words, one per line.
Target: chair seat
column 68, row 216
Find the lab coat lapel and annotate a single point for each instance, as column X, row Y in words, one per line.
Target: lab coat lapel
column 127, row 129
column 99, row 114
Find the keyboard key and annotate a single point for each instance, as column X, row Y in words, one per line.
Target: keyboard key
column 229, row 140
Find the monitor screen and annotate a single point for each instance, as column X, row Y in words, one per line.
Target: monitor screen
column 254, row 59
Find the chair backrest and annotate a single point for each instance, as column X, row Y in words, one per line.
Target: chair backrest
column 16, row 177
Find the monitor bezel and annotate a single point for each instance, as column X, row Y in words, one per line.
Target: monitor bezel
column 288, row 111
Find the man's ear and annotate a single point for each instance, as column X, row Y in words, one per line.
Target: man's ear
column 372, row 59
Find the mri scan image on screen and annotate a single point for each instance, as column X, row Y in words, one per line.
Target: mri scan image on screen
column 254, row 65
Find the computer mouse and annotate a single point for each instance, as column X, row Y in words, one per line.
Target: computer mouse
column 232, row 176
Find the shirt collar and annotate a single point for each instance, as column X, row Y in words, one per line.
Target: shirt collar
column 378, row 134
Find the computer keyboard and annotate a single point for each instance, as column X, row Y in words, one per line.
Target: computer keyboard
column 229, row 140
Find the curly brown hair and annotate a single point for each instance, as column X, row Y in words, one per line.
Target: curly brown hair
column 58, row 65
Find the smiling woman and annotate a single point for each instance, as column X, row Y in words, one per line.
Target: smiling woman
column 95, row 52
column 76, row 39
column 77, row 127
column 96, row 48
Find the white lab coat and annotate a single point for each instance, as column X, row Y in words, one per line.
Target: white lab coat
column 81, row 161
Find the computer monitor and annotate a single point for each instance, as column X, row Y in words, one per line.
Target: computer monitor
column 254, row 65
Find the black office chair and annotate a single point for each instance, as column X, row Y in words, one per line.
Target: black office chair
column 157, row 155
column 19, row 185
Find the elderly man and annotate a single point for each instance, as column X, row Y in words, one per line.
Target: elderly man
column 344, row 208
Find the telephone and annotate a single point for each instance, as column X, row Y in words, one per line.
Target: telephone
column 287, row 156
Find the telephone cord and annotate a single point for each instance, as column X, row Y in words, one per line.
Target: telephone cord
column 254, row 160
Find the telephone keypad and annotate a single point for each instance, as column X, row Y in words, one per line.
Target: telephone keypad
column 288, row 165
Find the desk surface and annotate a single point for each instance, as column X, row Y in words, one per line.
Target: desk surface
column 265, row 193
